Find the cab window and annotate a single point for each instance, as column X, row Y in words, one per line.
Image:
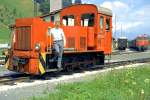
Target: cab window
column 87, row 19
column 107, row 24
column 52, row 18
column 101, row 22
column 68, row 20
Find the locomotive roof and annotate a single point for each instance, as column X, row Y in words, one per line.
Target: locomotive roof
column 122, row 38
column 142, row 35
column 100, row 9
column 104, row 10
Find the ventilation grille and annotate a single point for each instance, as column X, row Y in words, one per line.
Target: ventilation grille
column 83, row 42
column 23, row 38
column 99, row 41
column 71, row 42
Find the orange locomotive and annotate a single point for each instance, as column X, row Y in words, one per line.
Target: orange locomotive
column 140, row 43
column 88, row 31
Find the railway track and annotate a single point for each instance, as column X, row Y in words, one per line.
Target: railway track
column 13, row 79
column 125, row 52
column 121, row 63
column 2, row 61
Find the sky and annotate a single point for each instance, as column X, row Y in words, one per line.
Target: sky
column 132, row 15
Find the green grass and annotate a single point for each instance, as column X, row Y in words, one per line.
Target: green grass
column 24, row 8
column 5, row 35
column 129, row 84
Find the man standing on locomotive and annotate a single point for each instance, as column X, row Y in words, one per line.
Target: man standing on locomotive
column 59, row 41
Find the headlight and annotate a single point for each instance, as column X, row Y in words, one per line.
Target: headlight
column 37, row 46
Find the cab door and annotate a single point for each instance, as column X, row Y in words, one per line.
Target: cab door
column 108, row 34
column 100, row 38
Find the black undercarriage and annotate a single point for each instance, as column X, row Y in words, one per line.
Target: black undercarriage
column 71, row 61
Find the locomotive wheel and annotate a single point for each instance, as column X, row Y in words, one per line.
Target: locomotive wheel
column 69, row 68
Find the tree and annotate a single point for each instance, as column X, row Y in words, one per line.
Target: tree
column 39, row 1
column 44, row 7
column 67, row 3
column 78, row 1
column 7, row 16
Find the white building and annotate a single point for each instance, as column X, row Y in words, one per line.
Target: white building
column 59, row 4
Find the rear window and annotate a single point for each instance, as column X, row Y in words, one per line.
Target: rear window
column 87, row 19
column 69, row 20
column 101, row 22
column 107, row 24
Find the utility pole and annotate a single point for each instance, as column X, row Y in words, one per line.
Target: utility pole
column 49, row 5
column 115, row 25
column 121, row 31
column 35, row 8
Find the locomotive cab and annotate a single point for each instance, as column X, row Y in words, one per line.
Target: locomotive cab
column 88, row 32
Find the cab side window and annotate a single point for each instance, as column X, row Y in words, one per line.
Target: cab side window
column 87, row 19
column 52, row 18
column 101, row 22
column 68, row 20
column 107, row 24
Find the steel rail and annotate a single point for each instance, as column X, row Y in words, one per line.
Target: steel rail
column 12, row 79
column 125, row 52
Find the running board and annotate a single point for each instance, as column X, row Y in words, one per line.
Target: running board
column 52, row 70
